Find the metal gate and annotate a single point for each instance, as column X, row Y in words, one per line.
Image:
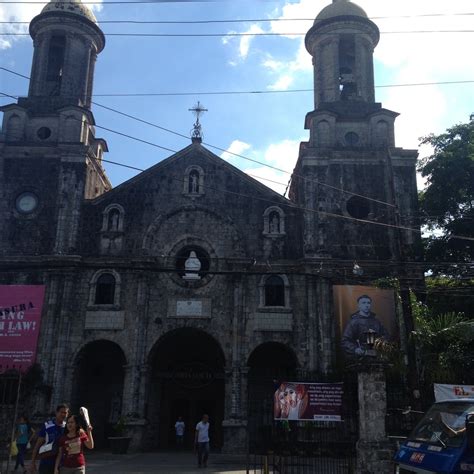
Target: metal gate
column 297, row 447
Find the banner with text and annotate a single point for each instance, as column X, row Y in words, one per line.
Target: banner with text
column 20, row 317
column 448, row 392
column 308, row 401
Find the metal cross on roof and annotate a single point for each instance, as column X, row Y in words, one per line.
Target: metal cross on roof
column 197, row 110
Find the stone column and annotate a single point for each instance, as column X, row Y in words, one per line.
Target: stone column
column 374, row 453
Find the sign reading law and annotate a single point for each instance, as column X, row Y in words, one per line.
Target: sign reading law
column 20, row 317
column 308, row 401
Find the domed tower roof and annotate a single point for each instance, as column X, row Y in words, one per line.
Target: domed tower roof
column 340, row 8
column 70, row 6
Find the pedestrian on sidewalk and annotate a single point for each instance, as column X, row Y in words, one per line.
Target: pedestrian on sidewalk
column 179, row 427
column 201, row 441
column 70, row 458
column 47, row 442
column 24, row 434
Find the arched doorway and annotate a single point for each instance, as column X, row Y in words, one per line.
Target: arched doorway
column 269, row 364
column 98, row 385
column 187, row 379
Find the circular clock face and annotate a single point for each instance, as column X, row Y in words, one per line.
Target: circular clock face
column 26, row 203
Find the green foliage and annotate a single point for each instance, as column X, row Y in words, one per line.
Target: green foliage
column 447, row 203
column 445, row 344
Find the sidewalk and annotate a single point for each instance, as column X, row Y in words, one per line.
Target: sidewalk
column 163, row 463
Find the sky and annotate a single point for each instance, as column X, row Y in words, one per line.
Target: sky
column 267, row 126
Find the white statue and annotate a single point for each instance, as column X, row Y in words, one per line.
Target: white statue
column 192, row 265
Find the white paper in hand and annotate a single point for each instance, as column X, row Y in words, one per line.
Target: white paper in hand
column 85, row 414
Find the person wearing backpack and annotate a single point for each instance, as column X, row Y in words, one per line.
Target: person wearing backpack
column 46, row 447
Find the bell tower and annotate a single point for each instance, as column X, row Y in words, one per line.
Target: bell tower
column 350, row 170
column 50, row 158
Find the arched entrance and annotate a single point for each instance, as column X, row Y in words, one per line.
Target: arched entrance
column 269, row 364
column 187, row 379
column 98, row 385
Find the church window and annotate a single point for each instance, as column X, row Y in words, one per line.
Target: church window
column 381, row 133
column 351, row 139
column 57, row 47
column 194, row 181
column 347, row 84
column 323, row 135
column 14, row 128
column 274, row 221
column 274, row 291
column 358, row 207
column 113, row 218
column 105, row 289
column 43, row 133
column 26, row 203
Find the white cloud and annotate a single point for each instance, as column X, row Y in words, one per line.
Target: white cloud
column 243, row 41
column 283, row 155
column 19, row 12
column 283, row 83
column 238, row 147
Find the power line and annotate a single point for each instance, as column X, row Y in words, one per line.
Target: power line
column 234, row 34
column 288, row 204
column 240, row 20
column 278, row 91
column 217, row 148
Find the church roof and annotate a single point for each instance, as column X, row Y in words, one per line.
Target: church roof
column 70, row 6
column 340, row 8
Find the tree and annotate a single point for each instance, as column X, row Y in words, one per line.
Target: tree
column 447, row 202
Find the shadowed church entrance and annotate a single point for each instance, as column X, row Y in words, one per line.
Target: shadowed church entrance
column 98, row 385
column 187, row 379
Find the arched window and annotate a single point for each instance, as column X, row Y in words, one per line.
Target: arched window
column 113, row 217
column 381, row 133
column 274, row 291
column 105, row 289
column 194, row 181
column 14, row 128
column 323, row 133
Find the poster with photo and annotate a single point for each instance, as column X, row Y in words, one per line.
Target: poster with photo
column 363, row 309
column 301, row 401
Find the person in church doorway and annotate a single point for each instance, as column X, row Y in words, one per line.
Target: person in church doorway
column 179, row 428
column 201, row 441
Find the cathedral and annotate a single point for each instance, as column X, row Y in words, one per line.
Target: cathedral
column 169, row 294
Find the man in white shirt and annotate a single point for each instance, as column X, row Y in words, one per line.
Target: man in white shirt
column 179, row 428
column 201, row 441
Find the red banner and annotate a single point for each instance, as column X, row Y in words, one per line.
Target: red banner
column 308, row 401
column 20, row 317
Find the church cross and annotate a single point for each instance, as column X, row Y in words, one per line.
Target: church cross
column 197, row 110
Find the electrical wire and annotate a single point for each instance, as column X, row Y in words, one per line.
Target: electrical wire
column 288, row 204
column 240, row 20
column 234, row 34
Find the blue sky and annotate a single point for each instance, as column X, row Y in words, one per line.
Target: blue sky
column 264, row 127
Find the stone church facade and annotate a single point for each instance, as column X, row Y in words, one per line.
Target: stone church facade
column 129, row 328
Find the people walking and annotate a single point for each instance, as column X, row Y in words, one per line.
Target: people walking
column 179, row 427
column 201, row 441
column 46, row 445
column 23, row 435
column 70, row 458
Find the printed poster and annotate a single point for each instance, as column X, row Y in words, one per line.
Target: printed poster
column 448, row 392
column 308, row 401
column 20, row 318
